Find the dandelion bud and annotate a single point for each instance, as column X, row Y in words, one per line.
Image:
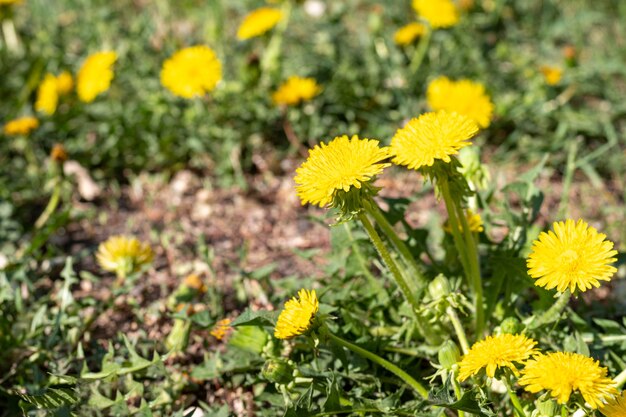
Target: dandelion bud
column 58, row 153
column 439, row 287
column 277, row 371
column 511, row 325
column 547, row 408
column 449, row 354
column 250, row 338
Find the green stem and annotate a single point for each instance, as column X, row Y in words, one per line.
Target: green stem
column 388, row 260
column 549, row 315
column 52, row 204
column 570, row 168
column 420, row 51
column 564, row 412
column 514, row 398
column 372, row 208
column 408, row 379
column 361, row 260
column 620, row 379
column 457, row 391
column 270, row 61
column 458, row 329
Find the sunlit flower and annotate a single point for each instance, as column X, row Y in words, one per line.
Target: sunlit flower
column 297, row 315
column 258, row 22
column 431, row 136
column 463, row 96
column 47, row 95
column 564, row 373
column 221, row 329
column 615, row 407
column 21, row 126
column 191, row 72
column 95, row 75
column 339, row 165
column 295, row 90
column 195, row 282
column 474, row 221
column 552, row 75
column 500, row 351
column 123, row 255
column 65, row 83
column 573, row 255
column 408, row 33
column 438, row 13
column 10, row 2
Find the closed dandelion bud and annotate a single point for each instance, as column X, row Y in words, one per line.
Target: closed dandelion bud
column 250, row 338
column 511, row 325
column 449, row 354
column 547, row 408
column 277, row 371
column 439, row 287
column 178, row 339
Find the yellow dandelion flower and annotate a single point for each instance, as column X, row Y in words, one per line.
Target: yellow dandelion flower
column 552, row 75
column 474, row 221
column 258, row 22
column 191, row 72
column 65, row 83
column 564, row 373
column 295, row 90
column 21, row 126
column 615, row 407
column 195, row 282
column 408, row 33
column 47, row 95
column 573, row 255
column 431, row 136
column 463, row 96
column 10, row 1
column 500, row 351
column 438, row 13
column 339, row 165
column 297, row 315
column 95, row 75
column 123, row 255
column 221, row 329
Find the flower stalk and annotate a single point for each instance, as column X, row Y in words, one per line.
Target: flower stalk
column 420, row 51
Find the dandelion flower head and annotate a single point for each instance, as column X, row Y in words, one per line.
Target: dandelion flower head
column 123, row 255
column 297, row 315
column 504, row 350
column 47, row 95
column 194, row 281
column 408, row 33
column 430, row 137
column 465, row 97
column 65, row 83
column 571, row 255
column 221, row 329
column 564, row 373
column 21, row 126
column 191, row 72
column 296, row 90
column 552, row 75
column 438, row 13
column 10, row 2
column 339, row 165
column 615, row 407
column 95, row 75
column 258, row 22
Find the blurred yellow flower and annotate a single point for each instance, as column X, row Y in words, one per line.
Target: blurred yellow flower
column 552, row 75
column 47, row 95
column 95, row 75
column 408, row 33
column 564, row 373
column 297, row 315
column 500, row 351
column 438, row 13
column 221, row 329
column 123, row 255
column 465, row 97
column 474, row 221
column 431, row 136
column 195, row 282
column 258, row 22
column 21, row 126
column 65, row 83
column 573, row 255
column 615, row 407
column 295, row 90
column 10, row 1
column 191, row 72
column 339, row 165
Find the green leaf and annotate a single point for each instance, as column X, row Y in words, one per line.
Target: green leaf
column 468, row 404
column 51, row 398
column 256, row 318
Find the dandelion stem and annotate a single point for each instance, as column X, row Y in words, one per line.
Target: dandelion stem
column 408, row 379
column 553, row 312
column 564, row 412
column 514, row 398
column 361, row 260
column 620, row 379
column 372, row 208
column 457, row 391
column 52, row 205
column 420, row 51
column 270, row 61
column 458, row 328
